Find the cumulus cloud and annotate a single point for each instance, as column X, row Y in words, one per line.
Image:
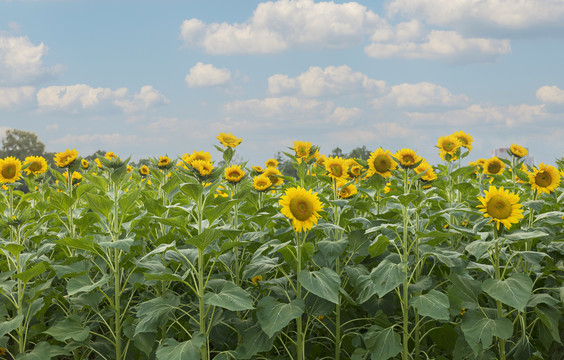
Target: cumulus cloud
column 420, row 95
column 11, row 97
column 550, row 95
column 333, row 80
column 278, row 25
column 147, row 97
column 21, row 61
column 202, row 75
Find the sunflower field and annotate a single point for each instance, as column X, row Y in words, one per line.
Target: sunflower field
column 202, row 258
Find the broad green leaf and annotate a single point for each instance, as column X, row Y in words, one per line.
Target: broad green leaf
column 378, row 246
column 524, row 235
column 227, row 295
column 387, row 276
column 41, row 351
column 100, row 203
column 324, row 283
column 273, row 316
column 82, row 243
column 7, row 326
column 13, row 248
column 32, row 272
column 514, row 291
column 332, row 249
column 203, row 240
column 83, row 283
column 154, row 313
column 542, row 299
column 550, row 317
column 254, row 340
column 260, row 265
column 60, row 200
column 434, row 304
column 171, row 349
column 120, row 244
column 479, row 329
column 194, row 191
column 383, row 344
column 128, row 200
column 69, row 328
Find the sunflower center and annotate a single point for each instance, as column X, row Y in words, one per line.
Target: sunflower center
column 382, row 163
column 543, row 179
column 302, row 151
column 8, row 171
column 463, row 141
column 336, row 170
column 408, row 159
column 355, row 171
column 499, row 207
column 35, row 166
column 233, row 175
column 494, row 168
column 301, row 208
column 448, row 146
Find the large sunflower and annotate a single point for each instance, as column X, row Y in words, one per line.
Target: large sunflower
column 407, row 158
column 274, row 175
column 65, row 158
column 234, row 173
column 302, row 148
column 544, row 179
column 302, row 207
column 518, row 150
column 346, row 192
column 10, row 170
column 501, row 206
column 494, row 166
column 204, row 167
column 37, row 165
column 228, row 140
column 261, row 183
column 337, row 167
column 465, row 139
column 381, row 162
column 196, row 155
column 424, row 167
column 447, row 146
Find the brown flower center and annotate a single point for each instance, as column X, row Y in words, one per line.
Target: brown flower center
column 336, row 170
column 499, row 207
column 408, row 160
column 9, row 171
column 35, row 166
column 494, row 167
column 301, row 208
column 382, row 163
column 543, row 179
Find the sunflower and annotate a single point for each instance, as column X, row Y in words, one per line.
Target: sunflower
column 337, row 167
column 10, row 170
column 518, row 151
column 228, row 140
column 302, row 148
column 65, row 158
column 355, row 169
column 196, row 155
column 544, row 179
column 494, row 166
column 84, row 164
column 261, row 183
column 234, row 173
column 37, row 165
column 144, row 170
column 75, row 179
column 255, row 279
column 274, row 175
column 424, row 167
column 302, row 207
column 164, row 162
column 465, row 139
column 221, row 191
column 128, row 169
column 346, row 192
column 407, row 158
column 258, row 169
column 111, row 156
column 381, row 162
column 271, row 163
column 204, row 167
column 447, row 146
column 501, row 206
column 320, row 159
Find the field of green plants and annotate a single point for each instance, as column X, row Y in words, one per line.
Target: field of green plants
column 201, row 258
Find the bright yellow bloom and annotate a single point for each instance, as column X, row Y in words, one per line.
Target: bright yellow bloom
column 256, row 279
column 258, row 169
column 228, row 140
column 302, row 148
column 220, row 191
column 164, row 161
column 38, row 165
column 65, row 158
column 544, row 179
column 98, row 163
column 337, row 167
column 447, row 146
column 234, row 173
column 407, row 158
column 518, row 150
column 204, row 167
column 196, row 155
column 355, row 169
column 381, row 162
column 465, row 139
column 494, row 166
column 271, row 163
column 129, row 169
column 111, row 156
column 144, row 170
column 76, row 177
column 261, row 182
column 10, row 170
column 424, row 167
column 84, row 163
column 346, row 192
column 501, row 206
column 302, row 207
column 274, row 175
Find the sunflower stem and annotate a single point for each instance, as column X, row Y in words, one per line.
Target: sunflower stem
column 299, row 332
column 497, row 269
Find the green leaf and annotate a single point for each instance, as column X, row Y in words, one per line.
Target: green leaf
column 383, row 344
column 203, row 240
column 273, row 316
column 41, row 351
column 524, row 235
column 120, row 244
column 479, row 329
column 171, row 349
column 100, row 203
column 227, row 295
column 332, row 249
column 379, row 246
column 128, row 200
column 434, row 304
column 260, row 265
column 32, row 272
column 324, row 283
column 154, row 313
column 82, row 243
column 550, row 316
column 254, row 340
column 83, row 283
column 60, row 200
column 514, row 291
column 13, row 248
column 7, row 326
column 194, row 191
column 387, row 276
column 69, row 328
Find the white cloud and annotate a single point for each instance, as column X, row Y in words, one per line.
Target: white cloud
column 21, row 62
column 147, row 97
column 202, row 75
column 113, row 140
column 278, row 25
column 506, row 14
column 420, row 95
column 333, row 80
column 550, row 94
column 11, row 97
column 440, row 44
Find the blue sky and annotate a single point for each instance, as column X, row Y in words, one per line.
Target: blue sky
column 148, row 78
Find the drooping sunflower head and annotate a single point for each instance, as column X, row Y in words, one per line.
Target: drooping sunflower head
column 545, row 178
column 518, row 151
column 271, row 163
column 381, row 162
column 407, row 158
column 429, row 173
column 37, row 165
column 164, row 162
column 66, row 158
column 10, row 170
column 302, row 207
column 258, row 169
column 261, row 182
column 347, row 191
column 85, row 164
column 465, row 139
column 203, row 167
column 494, row 166
column 234, row 173
column 228, row 140
column 355, row 169
column 337, row 167
column 501, row 206
column 302, row 148
column 144, row 170
column 274, row 175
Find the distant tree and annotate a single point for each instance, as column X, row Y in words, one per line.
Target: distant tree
column 285, row 165
column 93, row 156
column 360, row 152
column 337, row 152
column 21, row 144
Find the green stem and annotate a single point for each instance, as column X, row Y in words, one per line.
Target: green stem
column 300, row 334
column 497, row 269
column 405, row 295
